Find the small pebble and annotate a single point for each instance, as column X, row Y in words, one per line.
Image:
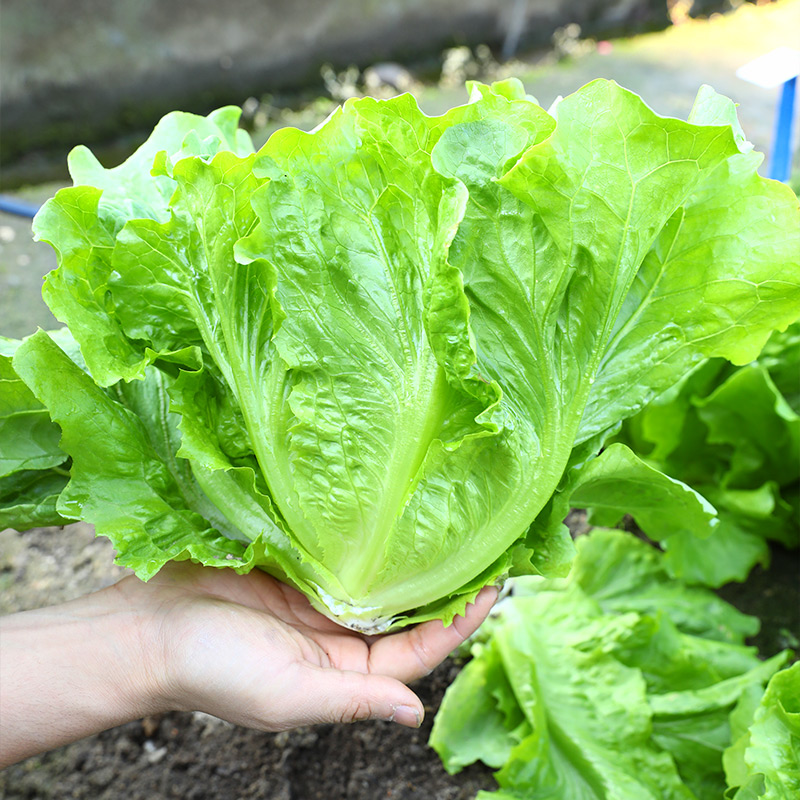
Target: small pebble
column 154, row 754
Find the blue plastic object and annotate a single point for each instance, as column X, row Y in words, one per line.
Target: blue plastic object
column 17, row 207
column 780, row 166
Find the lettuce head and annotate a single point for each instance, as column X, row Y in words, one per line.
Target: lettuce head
column 369, row 359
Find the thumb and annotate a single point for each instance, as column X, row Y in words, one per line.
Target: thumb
column 345, row 696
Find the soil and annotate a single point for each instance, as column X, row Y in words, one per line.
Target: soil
column 194, row 756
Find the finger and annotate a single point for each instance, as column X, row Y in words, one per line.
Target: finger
column 411, row 654
column 345, row 696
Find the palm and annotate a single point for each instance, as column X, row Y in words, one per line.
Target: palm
column 250, row 642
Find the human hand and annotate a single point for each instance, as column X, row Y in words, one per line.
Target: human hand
column 253, row 651
column 245, row 648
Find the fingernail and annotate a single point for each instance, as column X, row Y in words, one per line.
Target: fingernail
column 406, row 715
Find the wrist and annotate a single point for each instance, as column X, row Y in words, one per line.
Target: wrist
column 125, row 650
column 72, row 670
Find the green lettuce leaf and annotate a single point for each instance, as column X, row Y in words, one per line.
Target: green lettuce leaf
column 781, row 358
column 33, row 468
column 625, row 574
column 82, row 222
column 29, row 498
column 618, row 481
column 144, row 488
column 764, row 760
column 30, row 439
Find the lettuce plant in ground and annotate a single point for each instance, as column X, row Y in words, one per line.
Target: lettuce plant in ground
column 368, row 359
column 734, row 436
column 618, row 682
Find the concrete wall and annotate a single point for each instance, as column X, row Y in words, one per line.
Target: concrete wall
column 86, row 70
